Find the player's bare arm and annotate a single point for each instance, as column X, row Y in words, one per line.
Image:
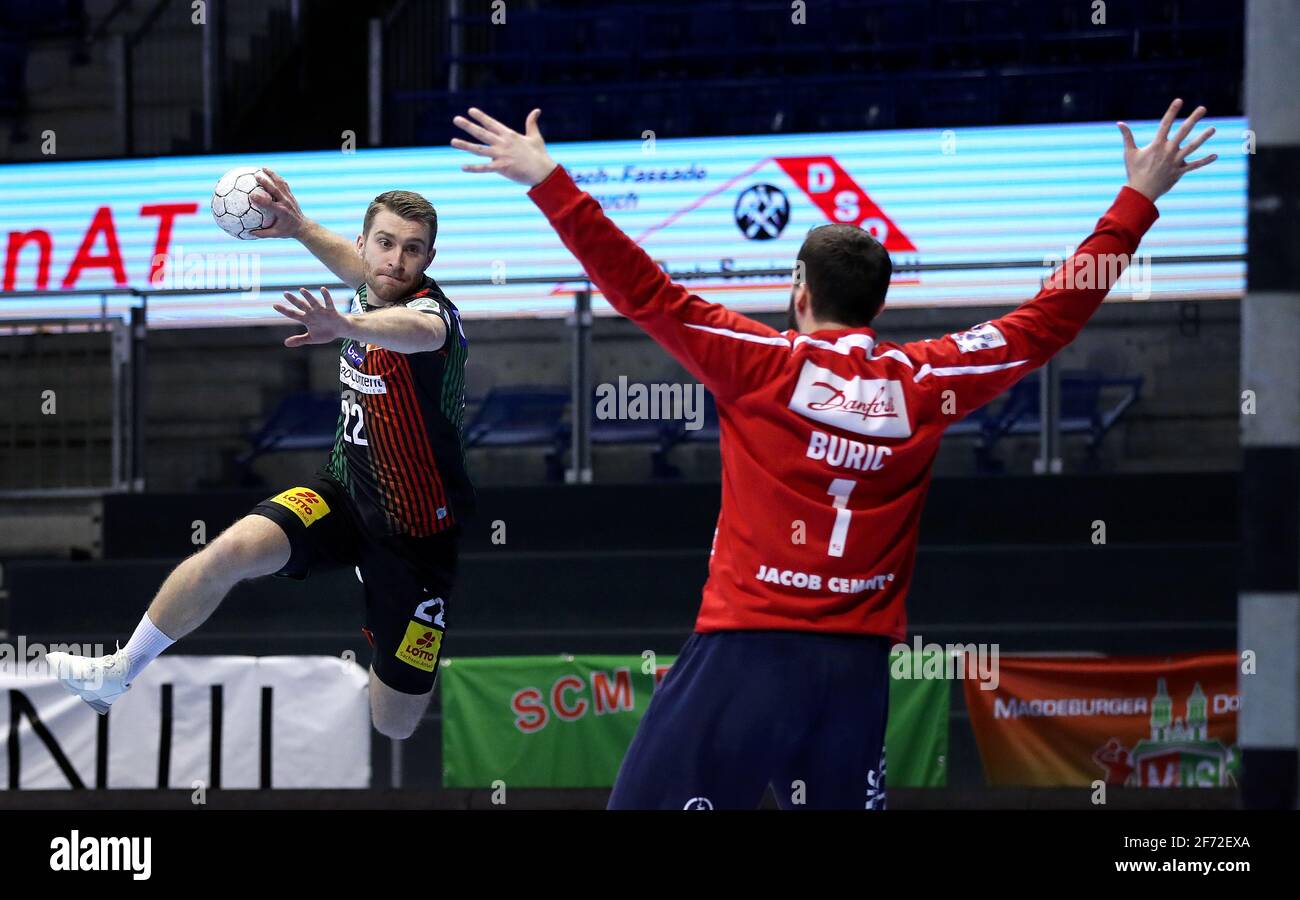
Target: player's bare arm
column 399, row 329
column 334, row 250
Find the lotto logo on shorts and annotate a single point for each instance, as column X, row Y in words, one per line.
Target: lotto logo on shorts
column 420, row 646
column 305, row 503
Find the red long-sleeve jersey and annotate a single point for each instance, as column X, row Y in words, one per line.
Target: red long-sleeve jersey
column 828, row 439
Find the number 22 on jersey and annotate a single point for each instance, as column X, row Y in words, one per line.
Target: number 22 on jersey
column 353, row 433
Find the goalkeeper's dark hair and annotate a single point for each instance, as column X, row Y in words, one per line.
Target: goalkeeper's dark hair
column 847, row 272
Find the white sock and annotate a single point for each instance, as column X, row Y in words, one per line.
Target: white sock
column 145, row 645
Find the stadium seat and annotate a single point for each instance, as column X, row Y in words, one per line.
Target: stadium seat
column 711, row 430
column 519, row 416
column 523, row 416
column 1082, row 411
column 305, row 420
column 715, row 67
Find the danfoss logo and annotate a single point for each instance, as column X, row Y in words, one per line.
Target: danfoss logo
column 880, row 405
column 873, row 406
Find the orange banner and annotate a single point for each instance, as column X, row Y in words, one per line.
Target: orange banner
column 1140, row 721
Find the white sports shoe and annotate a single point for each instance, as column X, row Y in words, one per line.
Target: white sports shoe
column 99, row 680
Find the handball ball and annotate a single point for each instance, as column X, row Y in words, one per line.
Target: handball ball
column 232, row 207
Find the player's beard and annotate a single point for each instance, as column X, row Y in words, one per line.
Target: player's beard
column 791, row 323
column 388, row 291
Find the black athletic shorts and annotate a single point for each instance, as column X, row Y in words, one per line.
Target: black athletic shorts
column 408, row 580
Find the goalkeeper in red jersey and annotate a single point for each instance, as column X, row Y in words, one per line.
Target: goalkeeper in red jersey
column 786, row 677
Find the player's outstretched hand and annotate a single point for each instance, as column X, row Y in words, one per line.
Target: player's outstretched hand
column 323, row 322
column 1156, row 168
column 275, row 197
column 519, row 157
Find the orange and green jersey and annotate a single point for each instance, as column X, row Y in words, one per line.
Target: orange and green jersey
column 398, row 449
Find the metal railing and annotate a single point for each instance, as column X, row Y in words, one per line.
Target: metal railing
column 409, row 45
column 128, row 367
column 75, row 421
column 151, row 69
column 175, row 86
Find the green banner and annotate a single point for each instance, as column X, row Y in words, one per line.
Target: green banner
column 916, row 738
column 566, row 721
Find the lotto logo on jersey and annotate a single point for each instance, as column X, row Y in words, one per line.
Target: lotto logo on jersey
column 874, row 406
column 304, row 503
column 420, row 646
column 981, row 337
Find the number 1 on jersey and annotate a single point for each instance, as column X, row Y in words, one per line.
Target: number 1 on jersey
column 840, row 489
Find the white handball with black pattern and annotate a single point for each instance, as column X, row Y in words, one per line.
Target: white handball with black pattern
column 233, row 207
